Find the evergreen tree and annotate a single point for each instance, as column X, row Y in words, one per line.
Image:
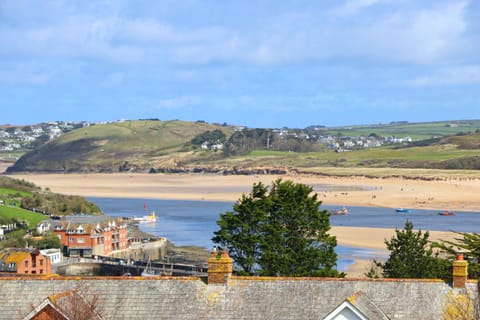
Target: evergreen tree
column 279, row 231
column 469, row 243
column 411, row 256
column 240, row 230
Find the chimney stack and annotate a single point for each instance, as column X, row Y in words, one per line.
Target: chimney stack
column 460, row 272
column 220, row 267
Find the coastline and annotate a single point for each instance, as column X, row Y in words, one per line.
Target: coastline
column 457, row 195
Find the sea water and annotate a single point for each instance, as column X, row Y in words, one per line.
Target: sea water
column 185, row 222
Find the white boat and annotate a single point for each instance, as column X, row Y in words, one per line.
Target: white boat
column 150, row 218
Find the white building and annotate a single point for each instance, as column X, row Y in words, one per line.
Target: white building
column 55, row 255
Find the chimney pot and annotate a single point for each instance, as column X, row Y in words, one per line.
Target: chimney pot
column 460, row 272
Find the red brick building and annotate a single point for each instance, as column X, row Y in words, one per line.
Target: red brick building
column 84, row 236
column 24, row 261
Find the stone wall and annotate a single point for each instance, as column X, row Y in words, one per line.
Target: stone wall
column 155, row 250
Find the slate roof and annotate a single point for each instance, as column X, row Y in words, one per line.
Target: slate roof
column 243, row 298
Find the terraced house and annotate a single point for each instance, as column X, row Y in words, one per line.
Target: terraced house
column 87, row 235
column 224, row 296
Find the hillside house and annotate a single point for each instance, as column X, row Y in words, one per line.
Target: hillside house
column 224, row 296
column 87, row 235
column 24, row 261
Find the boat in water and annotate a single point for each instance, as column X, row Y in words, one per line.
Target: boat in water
column 446, row 213
column 149, row 218
column 341, row 212
column 403, row 210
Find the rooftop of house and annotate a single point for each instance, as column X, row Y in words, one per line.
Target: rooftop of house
column 242, row 298
column 224, row 296
column 16, row 255
column 86, row 223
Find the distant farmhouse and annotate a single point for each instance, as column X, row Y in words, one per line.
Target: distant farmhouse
column 223, row 296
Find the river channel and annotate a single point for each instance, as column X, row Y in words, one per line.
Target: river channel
column 193, row 222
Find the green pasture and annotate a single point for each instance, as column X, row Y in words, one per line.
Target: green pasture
column 373, row 157
column 11, row 192
column 417, row 131
column 21, row 214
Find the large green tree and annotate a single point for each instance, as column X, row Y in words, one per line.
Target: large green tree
column 412, row 256
column 279, row 231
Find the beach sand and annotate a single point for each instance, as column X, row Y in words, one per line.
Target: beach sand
column 456, row 195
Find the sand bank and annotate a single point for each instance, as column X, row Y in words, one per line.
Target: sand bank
column 441, row 195
column 358, row 191
column 390, row 193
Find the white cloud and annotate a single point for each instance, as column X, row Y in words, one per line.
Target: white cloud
column 400, row 31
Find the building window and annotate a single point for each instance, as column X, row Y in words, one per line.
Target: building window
column 26, row 264
column 41, row 270
column 81, row 240
column 41, row 262
column 71, row 239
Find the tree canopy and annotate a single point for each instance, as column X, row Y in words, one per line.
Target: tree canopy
column 469, row 244
column 279, row 231
column 412, row 256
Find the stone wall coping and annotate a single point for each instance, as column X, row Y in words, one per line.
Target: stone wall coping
column 265, row 278
column 112, row 278
column 53, row 277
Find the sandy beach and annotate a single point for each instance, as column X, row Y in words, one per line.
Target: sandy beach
column 454, row 195
column 457, row 195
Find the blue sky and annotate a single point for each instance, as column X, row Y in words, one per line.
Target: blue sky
column 254, row 63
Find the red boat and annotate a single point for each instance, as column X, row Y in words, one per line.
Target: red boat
column 343, row 211
column 446, row 213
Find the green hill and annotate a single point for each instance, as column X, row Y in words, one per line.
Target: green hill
column 22, row 199
column 175, row 146
column 120, row 146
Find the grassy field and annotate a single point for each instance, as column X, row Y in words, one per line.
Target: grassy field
column 374, row 157
column 10, row 209
column 21, row 214
column 416, row 131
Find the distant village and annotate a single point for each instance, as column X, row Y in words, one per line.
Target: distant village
column 29, row 137
column 341, row 143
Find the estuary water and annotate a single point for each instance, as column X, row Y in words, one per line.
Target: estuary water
column 193, row 222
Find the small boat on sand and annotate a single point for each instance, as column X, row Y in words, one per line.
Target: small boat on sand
column 403, row 210
column 446, row 213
